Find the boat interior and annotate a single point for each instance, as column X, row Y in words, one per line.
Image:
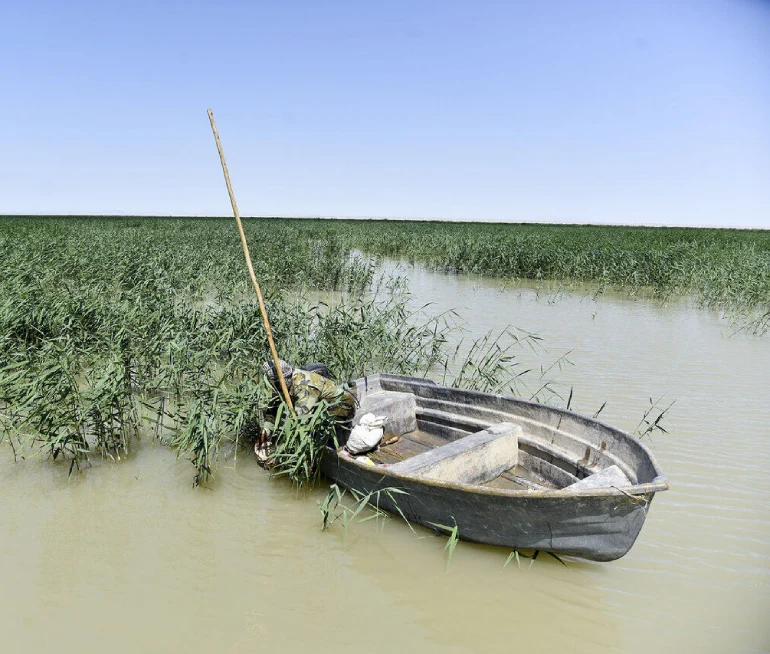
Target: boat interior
column 453, row 440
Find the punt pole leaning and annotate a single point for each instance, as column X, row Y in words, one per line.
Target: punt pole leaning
column 262, row 308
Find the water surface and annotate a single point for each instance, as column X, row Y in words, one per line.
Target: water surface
column 129, row 557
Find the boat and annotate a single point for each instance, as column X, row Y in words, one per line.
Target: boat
column 503, row 471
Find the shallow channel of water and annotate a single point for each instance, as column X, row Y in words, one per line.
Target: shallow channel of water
column 129, row 557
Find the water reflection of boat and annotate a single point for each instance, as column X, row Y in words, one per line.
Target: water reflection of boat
column 505, row 471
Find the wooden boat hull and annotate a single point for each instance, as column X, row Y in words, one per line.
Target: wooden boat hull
column 599, row 524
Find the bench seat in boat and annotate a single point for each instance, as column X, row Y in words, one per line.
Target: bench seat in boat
column 475, row 459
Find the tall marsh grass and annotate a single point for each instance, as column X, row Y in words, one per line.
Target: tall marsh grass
column 724, row 269
column 113, row 330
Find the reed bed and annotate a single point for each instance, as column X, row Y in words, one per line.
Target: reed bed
column 723, row 269
column 114, row 330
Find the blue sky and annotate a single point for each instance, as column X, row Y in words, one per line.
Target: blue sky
column 632, row 112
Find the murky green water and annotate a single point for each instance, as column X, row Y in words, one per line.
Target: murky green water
column 129, row 557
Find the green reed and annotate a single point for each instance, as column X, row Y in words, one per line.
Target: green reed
column 724, row 269
column 300, row 442
column 112, row 330
column 115, row 329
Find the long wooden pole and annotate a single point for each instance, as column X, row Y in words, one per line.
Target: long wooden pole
column 262, row 308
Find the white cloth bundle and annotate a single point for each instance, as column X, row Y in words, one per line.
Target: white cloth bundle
column 366, row 434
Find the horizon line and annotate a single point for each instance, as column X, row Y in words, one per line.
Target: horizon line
column 487, row 221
